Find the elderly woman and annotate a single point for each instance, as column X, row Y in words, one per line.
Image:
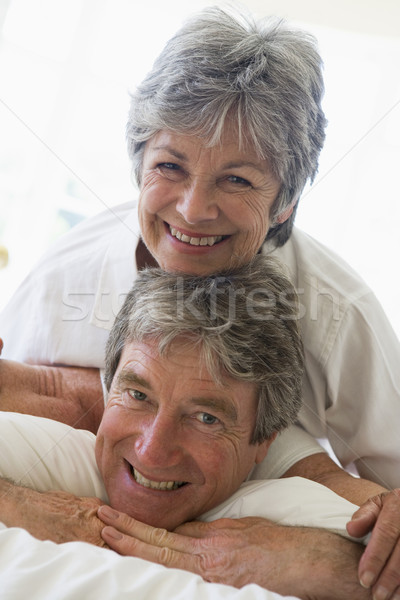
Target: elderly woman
column 224, row 133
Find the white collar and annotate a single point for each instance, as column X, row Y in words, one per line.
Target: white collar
column 118, row 270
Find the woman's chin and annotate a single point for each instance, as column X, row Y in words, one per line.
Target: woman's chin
column 194, row 260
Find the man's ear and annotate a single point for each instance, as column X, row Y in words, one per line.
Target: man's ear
column 263, row 448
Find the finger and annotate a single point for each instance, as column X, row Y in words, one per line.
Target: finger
column 384, row 540
column 155, row 536
column 1, row 345
column 363, row 519
column 389, row 580
column 129, row 546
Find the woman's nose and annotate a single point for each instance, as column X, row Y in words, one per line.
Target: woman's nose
column 158, row 444
column 197, row 203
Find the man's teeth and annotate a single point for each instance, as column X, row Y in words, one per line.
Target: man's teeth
column 195, row 241
column 156, row 485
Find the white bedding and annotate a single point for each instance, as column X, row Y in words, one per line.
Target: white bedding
column 46, row 455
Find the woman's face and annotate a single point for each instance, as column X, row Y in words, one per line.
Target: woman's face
column 203, row 209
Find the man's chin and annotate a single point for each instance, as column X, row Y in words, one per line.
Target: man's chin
column 155, row 516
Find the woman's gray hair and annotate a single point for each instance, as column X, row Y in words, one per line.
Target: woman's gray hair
column 244, row 323
column 264, row 75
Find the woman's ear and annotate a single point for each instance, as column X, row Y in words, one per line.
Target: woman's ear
column 283, row 216
column 263, row 448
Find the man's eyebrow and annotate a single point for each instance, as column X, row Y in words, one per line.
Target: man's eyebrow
column 130, row 377
column 220, row 404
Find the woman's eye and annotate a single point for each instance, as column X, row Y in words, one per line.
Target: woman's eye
column 137, row 394
column 239, row 180
column 168, row 166
column 207, row 419
column 170, row 170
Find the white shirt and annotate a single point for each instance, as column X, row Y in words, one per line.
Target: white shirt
column 63, row 311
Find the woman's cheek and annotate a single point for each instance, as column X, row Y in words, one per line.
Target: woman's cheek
column 154, row 194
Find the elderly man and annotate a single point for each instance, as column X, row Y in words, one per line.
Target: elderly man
column 202, row 373
column 197, row 392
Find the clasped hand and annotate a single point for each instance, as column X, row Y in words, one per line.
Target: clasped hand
column 223, row 551
column 300, row 561
column 254, row 550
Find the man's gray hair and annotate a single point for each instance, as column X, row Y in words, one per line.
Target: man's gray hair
column 264, row 75
column 244, row 323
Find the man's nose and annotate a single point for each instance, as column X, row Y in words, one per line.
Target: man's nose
column 197, row 203
column 158, row 444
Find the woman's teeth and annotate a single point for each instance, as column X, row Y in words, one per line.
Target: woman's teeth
column 156, row 485
column 195, row 241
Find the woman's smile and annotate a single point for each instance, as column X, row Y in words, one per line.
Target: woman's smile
column 195, row 239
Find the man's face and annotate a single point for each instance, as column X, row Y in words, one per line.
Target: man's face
column 172, row 443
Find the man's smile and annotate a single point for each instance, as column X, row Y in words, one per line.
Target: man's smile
column 155, row 485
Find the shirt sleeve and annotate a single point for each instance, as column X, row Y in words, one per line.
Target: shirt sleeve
column 63, row 310
column 290, row 446
column 47, row 320
column 363, row 386
column 351, row 387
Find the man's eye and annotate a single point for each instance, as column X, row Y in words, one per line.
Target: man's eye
column 137, row 394
column 207, row 419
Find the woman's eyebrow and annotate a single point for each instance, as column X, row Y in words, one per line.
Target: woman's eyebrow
column 172, row 151
column 244, row 163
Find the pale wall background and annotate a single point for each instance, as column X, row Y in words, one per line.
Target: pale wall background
column 66, row 67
